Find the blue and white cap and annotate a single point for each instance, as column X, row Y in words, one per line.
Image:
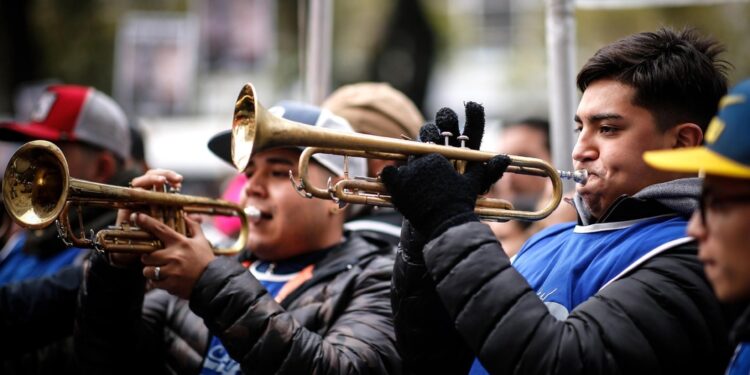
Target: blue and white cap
column 303, row 113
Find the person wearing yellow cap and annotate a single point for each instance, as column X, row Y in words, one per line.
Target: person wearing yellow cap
column 722, row 223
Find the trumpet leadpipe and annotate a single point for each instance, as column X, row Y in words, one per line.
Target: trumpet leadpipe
column 253, row 214
column 579, row 176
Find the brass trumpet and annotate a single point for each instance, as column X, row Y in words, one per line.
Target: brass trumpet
column 254, row 129
column 38, row 190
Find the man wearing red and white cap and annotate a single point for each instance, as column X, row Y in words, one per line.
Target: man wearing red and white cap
column 92, row 131
column 39, row 274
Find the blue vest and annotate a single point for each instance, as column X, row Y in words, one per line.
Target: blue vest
column 19, row 266
column 740, row 363
column 566, row 264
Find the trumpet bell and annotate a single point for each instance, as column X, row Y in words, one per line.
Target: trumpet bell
column 244, row 127
column 35, row 184
column 38, row 190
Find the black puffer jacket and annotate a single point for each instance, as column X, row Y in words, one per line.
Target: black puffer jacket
column 339, row 321
column 741, row 329
column 662, row 317
column 36, row 315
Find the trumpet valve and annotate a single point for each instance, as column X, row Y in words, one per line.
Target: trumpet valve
column 463, row 139
column 447, row 136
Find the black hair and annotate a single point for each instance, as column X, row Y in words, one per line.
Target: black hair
column 677, row 75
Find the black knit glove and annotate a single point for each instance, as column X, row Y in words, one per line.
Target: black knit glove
column 429, row 192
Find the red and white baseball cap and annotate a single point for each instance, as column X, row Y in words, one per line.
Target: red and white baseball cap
column 76, row 114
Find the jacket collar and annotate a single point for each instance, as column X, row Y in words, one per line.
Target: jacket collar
column 741, row 329
column 672, row 197
column 353, row 251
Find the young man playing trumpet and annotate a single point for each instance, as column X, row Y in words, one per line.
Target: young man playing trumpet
column 621, row 291
column 306, row 297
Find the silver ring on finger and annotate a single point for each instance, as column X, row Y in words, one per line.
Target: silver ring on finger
column 157, row 273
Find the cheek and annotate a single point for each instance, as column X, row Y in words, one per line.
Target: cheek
column 727, row 243
column 614, row 161
column 734, row 274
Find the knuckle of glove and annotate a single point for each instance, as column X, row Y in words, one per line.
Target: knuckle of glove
column 429, row 132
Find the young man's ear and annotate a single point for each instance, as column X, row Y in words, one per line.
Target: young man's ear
column 687, row 135
column 106, row 167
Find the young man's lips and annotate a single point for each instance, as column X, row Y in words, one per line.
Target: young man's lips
column 256, row 214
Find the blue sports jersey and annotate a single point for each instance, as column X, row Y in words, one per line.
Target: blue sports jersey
column 16, row 265
column 740, row 363
column 566, row 264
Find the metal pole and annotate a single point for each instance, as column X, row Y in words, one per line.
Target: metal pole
column 561, row 47
column 319, row 41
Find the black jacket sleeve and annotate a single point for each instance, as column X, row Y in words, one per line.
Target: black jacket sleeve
column 421, row 322
column 121, row 330
column 265, row 338
column 37, row 312
column 109, row 335
column 661, row 318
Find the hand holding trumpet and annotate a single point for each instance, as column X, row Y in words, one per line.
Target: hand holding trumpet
column 428, row 191
column 177, row 266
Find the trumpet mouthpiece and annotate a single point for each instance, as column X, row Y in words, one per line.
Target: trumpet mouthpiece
column 580, row 176
column 253, row 214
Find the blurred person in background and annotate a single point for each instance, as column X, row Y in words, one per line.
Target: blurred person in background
column 93, row 133
column 306, row 296
column 529, row 138
column 722, row 223
column 137, row 161
column 37, row 313
column 376, row 109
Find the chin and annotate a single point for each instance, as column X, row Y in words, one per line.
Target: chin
column 593, row 205
column 263, row 254
column 726, row 292
column 725, row 295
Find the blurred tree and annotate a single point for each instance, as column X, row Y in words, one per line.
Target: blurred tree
column 20, row 64
column 726, row 22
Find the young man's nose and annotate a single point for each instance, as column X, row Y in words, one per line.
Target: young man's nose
column 584, row 149
column 695, row 227
column 255, row 186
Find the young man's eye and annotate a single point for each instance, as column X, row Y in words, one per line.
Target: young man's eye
column 280, row 173
column 605, row 129
column 717, row 205
column 578, row 129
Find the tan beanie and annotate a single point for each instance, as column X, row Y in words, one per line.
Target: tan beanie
column 376, row 108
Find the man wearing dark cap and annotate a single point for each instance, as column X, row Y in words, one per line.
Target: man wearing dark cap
column 376, row 108
column 307, row 297
column 722, row 223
